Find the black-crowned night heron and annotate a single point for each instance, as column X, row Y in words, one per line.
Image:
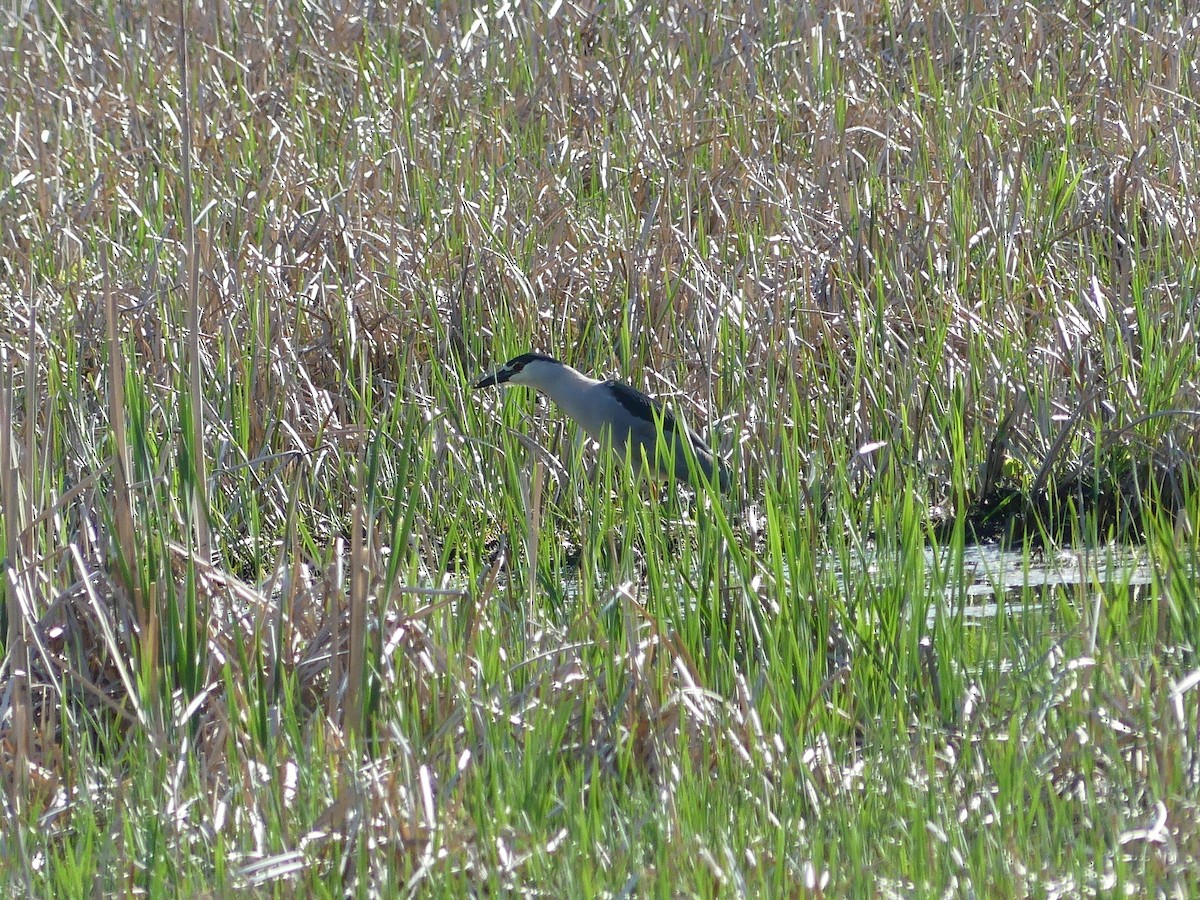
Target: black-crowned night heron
column 624, row 415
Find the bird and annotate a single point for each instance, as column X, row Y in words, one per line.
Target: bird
column 614, row 410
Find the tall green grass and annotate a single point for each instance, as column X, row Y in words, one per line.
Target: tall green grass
column 290, row 609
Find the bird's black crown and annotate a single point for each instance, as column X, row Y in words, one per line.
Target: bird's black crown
column 512, row 367
column 517, row 363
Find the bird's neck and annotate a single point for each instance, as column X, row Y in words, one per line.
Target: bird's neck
column 567, row 389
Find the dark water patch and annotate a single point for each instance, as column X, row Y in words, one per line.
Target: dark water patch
column 1116, row 501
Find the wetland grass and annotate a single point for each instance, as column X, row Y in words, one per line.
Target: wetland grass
column 289, row 611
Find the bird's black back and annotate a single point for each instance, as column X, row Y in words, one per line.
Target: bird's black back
column 646, row 408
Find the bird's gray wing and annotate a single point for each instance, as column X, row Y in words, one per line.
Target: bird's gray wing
column 645, row 408
column 640, row 406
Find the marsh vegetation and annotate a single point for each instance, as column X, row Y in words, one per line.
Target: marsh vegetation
column 289, row 610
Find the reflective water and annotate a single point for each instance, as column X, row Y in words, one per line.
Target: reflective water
column 995, row 574
column 998, row 570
